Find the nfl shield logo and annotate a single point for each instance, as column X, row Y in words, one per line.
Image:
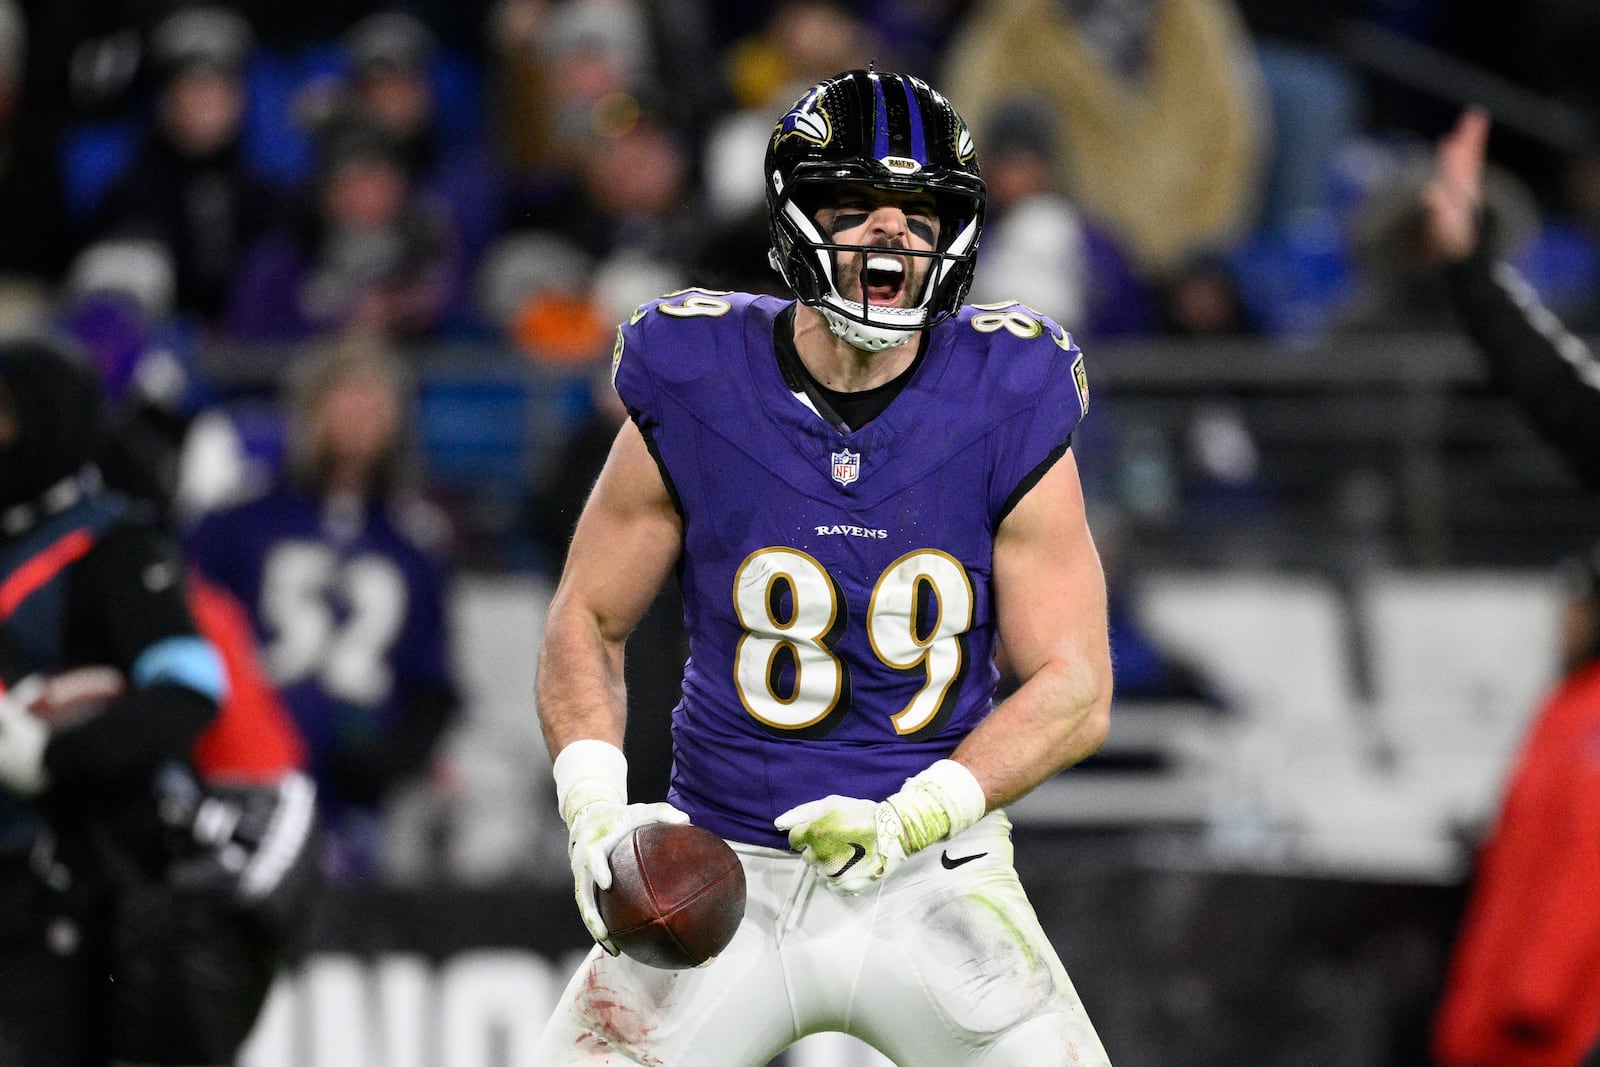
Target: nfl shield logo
column 846, row 466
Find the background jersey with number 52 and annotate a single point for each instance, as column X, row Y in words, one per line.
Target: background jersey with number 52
column 837, row 587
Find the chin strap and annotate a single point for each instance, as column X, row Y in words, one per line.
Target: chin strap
column 859, row 335
column 851, row 330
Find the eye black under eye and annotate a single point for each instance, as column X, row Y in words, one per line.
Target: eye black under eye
column 847, row 220
column 922, row 228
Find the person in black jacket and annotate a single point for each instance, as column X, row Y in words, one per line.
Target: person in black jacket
column 1532, row 357
column 91, row 589
column 192, row 185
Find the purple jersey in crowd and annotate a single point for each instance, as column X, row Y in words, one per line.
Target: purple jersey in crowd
column 837, row 587
column 349, row 608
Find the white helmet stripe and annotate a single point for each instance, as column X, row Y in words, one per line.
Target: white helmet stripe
column 808, row 230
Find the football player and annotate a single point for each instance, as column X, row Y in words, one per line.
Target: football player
column 864, row 492
column 110, row 949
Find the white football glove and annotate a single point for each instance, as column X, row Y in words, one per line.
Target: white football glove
column 596, row 828
column 23, row 737
column 591, row 787
column 853, row 843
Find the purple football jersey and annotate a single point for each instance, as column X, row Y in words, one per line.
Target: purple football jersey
column 837, row 586
column 350, row 611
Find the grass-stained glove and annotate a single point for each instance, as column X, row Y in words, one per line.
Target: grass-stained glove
column 592, row 790
column 853, row 843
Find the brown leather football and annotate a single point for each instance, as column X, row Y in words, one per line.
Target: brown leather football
column 676, row 896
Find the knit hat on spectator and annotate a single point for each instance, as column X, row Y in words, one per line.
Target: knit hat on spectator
column 389, row 42
column 213, row 38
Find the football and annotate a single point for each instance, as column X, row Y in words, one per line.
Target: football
column 676, row 896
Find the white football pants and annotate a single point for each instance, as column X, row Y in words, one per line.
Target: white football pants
column 943, row 965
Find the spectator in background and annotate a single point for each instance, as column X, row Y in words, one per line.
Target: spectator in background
column 390, row 53
column 1520, row 990
column 801, row 42
column 118, row 304
column 1038, row 247
column 1396, row 283
column 1158, row 111
column 535, row 291
column 189, row 186
column 36, row 238
column 345, row 571
column 591, row 53
column 1035, row 250
column 1202, row 298
column 175, row 445
column 369, row 252
column 641, row 232
column 391, row 87
column 644, row 232
column 1531, row 357
column 579, row 52
column 566, row 73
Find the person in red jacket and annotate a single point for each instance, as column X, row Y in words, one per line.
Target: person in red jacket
column 1523, row 985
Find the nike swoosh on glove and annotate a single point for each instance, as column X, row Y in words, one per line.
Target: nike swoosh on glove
column 851, row 842
column 593, row 832
column 854, row 842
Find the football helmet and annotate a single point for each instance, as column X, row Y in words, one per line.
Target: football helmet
column 895, row 133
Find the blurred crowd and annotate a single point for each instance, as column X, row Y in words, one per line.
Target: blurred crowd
column 436, row 171
column 176, row 178
column 217, row 201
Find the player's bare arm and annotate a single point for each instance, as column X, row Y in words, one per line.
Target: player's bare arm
column 1051, row 612
column 1051, row 601
column 626, row 542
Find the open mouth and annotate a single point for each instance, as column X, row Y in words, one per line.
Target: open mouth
column 883, row 279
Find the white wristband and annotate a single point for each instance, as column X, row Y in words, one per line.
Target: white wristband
column 588, row 770
column 939, row 802
column 963, row 796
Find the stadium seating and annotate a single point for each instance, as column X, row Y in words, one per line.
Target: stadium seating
column 1459, row 662
column 1373, row 724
